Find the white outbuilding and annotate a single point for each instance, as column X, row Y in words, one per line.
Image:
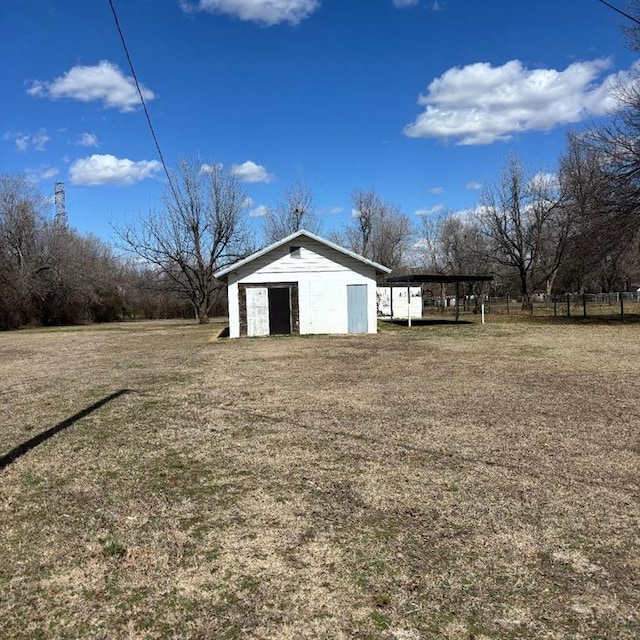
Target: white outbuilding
column 302, row 284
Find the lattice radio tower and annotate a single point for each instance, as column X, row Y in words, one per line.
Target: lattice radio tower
column 61, row 211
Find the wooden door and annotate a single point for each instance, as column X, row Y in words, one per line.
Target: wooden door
column 257, row 311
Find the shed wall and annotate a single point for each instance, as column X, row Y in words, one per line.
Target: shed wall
column 322, row 274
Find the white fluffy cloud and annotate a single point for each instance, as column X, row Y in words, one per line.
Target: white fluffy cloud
column 474, row 186
column 251, row 172
column 480, row 104
column 260, row 211
column 107, row 169
column 267, row 12
column 104, row 81
column 401, row 4
column 88, row 140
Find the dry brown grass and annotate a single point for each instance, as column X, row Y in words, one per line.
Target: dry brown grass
column 448, row 482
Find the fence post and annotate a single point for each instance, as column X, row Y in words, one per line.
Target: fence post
column 568, row 305
column 584, row 304
column 555, row 308
column 621, row 307
column 507, row 304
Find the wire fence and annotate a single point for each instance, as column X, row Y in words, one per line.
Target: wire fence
column 573, row 305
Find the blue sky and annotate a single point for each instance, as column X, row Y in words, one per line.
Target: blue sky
column 421, row 100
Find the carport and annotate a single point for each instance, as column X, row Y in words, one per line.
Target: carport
column 409, row 279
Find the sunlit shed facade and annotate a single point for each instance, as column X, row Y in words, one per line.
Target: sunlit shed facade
column 299, row 285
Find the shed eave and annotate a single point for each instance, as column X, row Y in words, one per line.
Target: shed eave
column 223, row 273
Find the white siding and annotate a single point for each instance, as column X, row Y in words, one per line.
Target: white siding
column 234, row 310
column 322, row 275
column 400, row 309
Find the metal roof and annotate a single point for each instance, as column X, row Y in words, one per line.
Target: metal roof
column 438, row 277
column 241, row 263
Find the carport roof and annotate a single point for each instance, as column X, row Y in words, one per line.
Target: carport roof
column 438, row 277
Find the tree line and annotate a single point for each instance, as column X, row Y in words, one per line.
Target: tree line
column 576, row 228
column 52, row 275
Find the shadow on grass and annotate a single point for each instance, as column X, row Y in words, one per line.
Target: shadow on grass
column 25, row 447
column 427, row 322
column 224, row 333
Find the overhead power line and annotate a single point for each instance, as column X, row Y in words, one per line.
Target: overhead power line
column 620, row 11
column 144, row 104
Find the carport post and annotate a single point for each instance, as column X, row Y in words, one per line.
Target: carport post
column 457, row 301
column 409, row 306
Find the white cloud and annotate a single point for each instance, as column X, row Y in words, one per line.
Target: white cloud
column 26, row 141
column 544, row 180
column 251, row 172
column 436, row 190
column 333, row 210
column 480, row 104
column 267, row 12
column 49, row 172
column 401, row 4
column 88, row 140
column 209, row 168
column 247, row 202
column 45, row 172
column 22, row 142
column 107, row 169
column 438, row 208
column 104, row 81
column 260, row 211
column 39, row 140
column 474, row 186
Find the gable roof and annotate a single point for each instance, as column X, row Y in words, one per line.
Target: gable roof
column 307, row 234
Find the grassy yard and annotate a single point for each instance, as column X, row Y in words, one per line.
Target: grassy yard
column 466, row 482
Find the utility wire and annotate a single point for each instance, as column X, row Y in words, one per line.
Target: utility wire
column 144, row 104
column 621, row 12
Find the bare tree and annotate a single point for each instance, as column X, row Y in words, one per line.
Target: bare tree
column 428, row 249
column 455, row 244
column 367, row 208
column 49, row 273
column 200, row 229
column 523, row 218
column 602, row 251
column 378, row 231
column 392, row 233
column 22, row 217
column 295, row 211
